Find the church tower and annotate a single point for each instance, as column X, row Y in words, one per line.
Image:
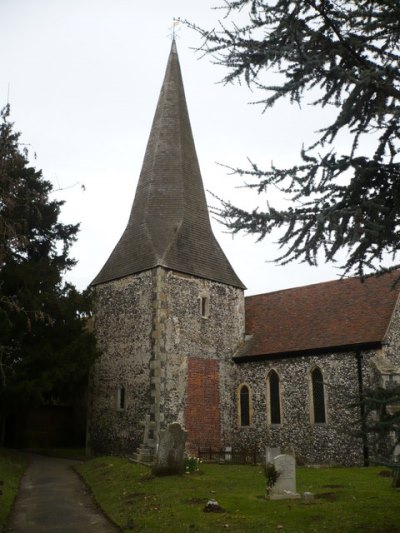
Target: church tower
column 169, row 311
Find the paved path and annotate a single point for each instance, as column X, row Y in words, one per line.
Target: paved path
column 53, row 499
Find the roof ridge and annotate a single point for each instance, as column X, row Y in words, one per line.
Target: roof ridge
column 327, row 282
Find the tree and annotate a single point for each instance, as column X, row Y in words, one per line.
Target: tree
column 45, row 348
column 381, row 408
column 343, row 54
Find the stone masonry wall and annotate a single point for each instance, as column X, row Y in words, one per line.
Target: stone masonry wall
column 123, row 326
column 148, row 327
column 391, row 347
column 189, row 336
column 176, row 366
column 333, row 442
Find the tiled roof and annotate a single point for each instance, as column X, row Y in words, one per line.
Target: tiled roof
column 335, row 314
column 169, row 224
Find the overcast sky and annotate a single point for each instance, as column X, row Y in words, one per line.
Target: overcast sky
column 83, row 79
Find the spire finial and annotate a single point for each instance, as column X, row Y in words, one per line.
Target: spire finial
column 169, row 224
column 176, row 22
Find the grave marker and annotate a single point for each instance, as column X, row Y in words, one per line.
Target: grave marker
column 285, row 486
column 169, row 459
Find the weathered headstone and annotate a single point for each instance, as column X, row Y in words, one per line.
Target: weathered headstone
column 285, row 485
column 213, row 507
column 308, row 497
column 169, row 458
column 271, row 453
column 396, row 453
column 228, row 454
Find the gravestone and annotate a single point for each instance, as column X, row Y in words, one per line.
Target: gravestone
column 396, row 453
column 169, row 458
column 271, row 453
column 285, row 485
column 213, row 507
column 308, row 497
column 228, row 454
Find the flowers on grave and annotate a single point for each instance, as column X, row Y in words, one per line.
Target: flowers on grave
column 191, row 464
column 271, row 475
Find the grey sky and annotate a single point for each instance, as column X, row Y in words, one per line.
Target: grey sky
column 84, row 80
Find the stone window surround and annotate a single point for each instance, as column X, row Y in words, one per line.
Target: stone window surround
column 121, row 398
column 268, row 396
column 311, row 396
column 204, row 305
column 238, row 405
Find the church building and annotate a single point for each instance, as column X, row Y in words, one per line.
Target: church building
column 179, row 342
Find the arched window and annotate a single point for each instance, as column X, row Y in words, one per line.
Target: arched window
column 318, row 396
column 244, row 405
column 274, row 398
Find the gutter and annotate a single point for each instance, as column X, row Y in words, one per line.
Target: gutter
column 326, row 350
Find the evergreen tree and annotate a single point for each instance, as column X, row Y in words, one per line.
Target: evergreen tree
column 45, row 349
column 381, row 408
column 341, row 54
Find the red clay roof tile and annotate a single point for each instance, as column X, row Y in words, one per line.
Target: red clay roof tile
column 332, row 314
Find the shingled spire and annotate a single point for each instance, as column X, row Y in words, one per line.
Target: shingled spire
column 169, row 224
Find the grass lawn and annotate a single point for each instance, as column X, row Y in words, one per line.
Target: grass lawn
column 347, row 499
column 12, row 466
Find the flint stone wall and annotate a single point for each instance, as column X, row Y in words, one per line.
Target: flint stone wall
column 188, row 335
column 312, row 443
column 334, row 442
column 123, row 326
column 147, row 327
column 391, row 349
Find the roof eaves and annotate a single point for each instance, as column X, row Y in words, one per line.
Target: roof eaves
column 325, row 350
column 162, row 265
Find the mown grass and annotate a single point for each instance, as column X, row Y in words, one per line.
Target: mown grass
column 347, row 499
column 12, row 467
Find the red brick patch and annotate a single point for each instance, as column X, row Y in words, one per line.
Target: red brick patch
column 202, row 413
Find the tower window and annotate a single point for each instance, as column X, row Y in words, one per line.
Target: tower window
column 318, row 397
column 204, row 306
column 274, row 398
column 121, row 399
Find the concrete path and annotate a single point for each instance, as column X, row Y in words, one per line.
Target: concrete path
column 53, row 499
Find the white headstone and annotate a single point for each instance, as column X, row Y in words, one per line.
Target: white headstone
column 271, row 453
column 285, row 486
column 228, row 454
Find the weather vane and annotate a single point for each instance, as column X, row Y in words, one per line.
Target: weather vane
column 175, row 28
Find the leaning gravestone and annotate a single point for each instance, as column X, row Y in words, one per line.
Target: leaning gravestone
column 285, row 485
column 169, row 458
